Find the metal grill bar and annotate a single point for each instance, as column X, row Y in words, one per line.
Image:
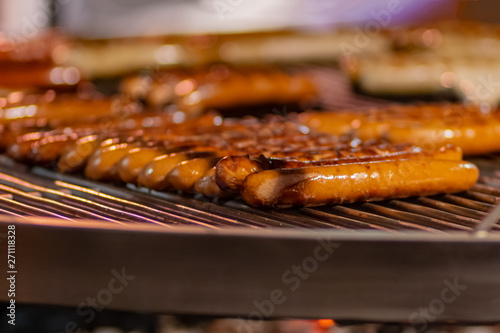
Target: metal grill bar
column 488, row 223
column 15, row 206
column 454, row 209
column 435, row 213
column 348, row 222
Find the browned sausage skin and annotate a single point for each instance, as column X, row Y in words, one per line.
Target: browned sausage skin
column 102, row 163
column 184, row 176
column 346, row 183
column 75, row 156
column 154, row 174
column 132, row 163
column 428, row 125
column 207, row 186
column 231, row 171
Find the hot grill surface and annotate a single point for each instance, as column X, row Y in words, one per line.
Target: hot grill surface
column 43, row 192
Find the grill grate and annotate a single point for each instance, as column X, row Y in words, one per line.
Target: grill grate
column 42, row 192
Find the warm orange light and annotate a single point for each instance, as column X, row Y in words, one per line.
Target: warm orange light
column 326, row 323
column 185, row 87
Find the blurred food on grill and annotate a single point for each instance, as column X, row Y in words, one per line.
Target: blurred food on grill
column 222, row 87
column 37, row 63
column 114, row 57
column 476, row 130
column 448, row 59
column 471, row 79
column 51, row 117
column 453, row 38
column 456, row 57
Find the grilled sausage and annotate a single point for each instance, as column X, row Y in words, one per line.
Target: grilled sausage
column 346, row 183
column 10, row 134
column 345, row 122
column 133, row 162
column 75, row 156
column 154, row 174
column 49, row 149
column 43, row 146
column 231, row 171
column 207, row 186
column 63, row 109
column 258, row 87
column 102, row 164
column 184, row 176
column 473, row 139
column 428, row 126
column 20, row 150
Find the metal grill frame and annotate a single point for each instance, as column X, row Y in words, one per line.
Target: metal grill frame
column 369, row 276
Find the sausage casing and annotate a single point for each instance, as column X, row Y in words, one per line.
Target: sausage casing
column 347, row 183
column 132, row 163
column 154, row 174
column 231, row 171
column 102, row 164
column 207, row 186
column 184, row 176
column 74, row 157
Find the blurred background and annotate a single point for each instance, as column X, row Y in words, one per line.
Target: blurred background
column 98, row 19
